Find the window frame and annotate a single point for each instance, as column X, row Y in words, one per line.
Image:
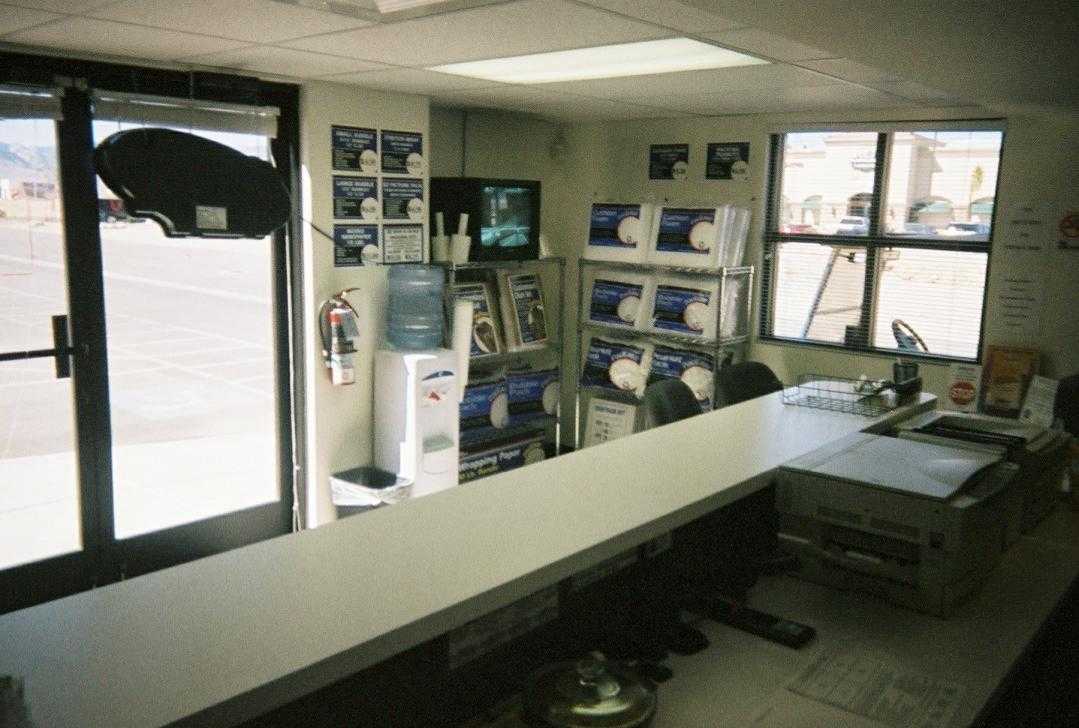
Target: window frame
column 874, row 242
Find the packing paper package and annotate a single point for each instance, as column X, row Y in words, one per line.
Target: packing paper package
column 611, row 363
column 695, row 368
column 616, row 298
column 484, row 409
column 619, row 231
column 733, row 248
column 684, row 305
column 532, row 395
column 688, row 236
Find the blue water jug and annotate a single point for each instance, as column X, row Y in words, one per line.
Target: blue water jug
column 414, row 317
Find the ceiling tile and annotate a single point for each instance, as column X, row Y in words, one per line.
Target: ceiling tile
column 528, row 26
column 62, row 6
column 849, row 70
column 282, row 62
column 13, row 18
column 101, row 36
column 839, row 97
column 755, row 40
column 658, row 88
column 549, row 104
column 668, row 13
column 257, row 21
column 923, row 94
column 410, row 80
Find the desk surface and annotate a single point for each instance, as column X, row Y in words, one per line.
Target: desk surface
column 740, row 680
column 229, row 637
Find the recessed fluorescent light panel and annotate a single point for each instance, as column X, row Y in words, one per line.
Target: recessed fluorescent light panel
column 611, row 61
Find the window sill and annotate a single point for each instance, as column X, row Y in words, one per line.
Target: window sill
column 874, row 353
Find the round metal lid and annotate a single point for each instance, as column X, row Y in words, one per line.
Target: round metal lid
column 589, row 693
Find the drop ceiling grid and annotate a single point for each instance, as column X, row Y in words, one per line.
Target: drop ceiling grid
column 254, row 21
column 250, row 36
column 516, row 28
column 14, row 18
column 76, row 33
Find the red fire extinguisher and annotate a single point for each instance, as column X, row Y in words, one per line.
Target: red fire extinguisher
column 339, row 330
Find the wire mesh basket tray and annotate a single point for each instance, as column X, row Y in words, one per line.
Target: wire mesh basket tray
column 866, row 397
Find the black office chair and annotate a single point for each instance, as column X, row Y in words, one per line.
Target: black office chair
column 665, row 401
column 747, row 380
column 1067, row 403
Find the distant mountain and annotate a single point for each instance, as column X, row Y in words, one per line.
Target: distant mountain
column 21, row 161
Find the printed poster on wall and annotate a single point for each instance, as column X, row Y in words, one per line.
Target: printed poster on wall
column 354, row 149
column 355, row 245
column 727, row 160
column 402, row 153
column 402, row 244
column 668, row 161
column 355, row 198
column 402, row 199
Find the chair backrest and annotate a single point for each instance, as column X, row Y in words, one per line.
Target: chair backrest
column 743, row 381
column 665, row 401
column 1067, row 403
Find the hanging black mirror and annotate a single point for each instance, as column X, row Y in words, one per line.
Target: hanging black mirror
column 192, row 186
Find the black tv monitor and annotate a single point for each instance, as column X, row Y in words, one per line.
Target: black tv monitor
column 503, row 215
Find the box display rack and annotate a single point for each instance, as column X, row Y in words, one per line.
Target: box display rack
column 732, row 322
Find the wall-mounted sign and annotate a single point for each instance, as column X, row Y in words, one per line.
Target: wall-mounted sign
column 402, row 153
column 355, row 198
column 402, row 199
column 668, row 161
column 355, row 245
column 354, row 149
column 402, row 243
column 727, row 160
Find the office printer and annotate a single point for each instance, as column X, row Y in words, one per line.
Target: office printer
column 1040, row 453
column 916, row 523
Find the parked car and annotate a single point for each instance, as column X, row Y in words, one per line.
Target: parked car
column 798, row 229
column 966, row 230
column 853, row 226
column 915, row 230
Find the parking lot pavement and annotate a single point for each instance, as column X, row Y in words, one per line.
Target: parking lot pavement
column 190, row 358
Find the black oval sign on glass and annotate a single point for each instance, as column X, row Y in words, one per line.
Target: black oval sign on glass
column 192, row 186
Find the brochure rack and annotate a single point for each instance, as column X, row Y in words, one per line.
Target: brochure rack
column 548, row 355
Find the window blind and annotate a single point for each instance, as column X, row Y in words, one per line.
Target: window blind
column 28, row 102
column 879, row 242
column 185, row 113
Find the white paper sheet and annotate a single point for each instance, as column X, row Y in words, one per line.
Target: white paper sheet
column 878, row 688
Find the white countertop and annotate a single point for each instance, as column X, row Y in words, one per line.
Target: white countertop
column 740, row 680
column 229, row 637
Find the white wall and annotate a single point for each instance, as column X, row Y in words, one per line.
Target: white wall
column 339, row 419
column 1037, row 166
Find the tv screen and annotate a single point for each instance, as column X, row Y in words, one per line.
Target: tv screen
column 507, row 216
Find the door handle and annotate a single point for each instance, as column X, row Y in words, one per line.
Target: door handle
column 61, row 343
column 61, row 351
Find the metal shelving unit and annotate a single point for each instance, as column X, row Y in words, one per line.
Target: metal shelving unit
column 726, row 348
column 551, row 270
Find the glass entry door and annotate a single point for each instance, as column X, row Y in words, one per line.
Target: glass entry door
column 47, row 532
column 192, row 386
column 39, row 494
column 144, row 411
